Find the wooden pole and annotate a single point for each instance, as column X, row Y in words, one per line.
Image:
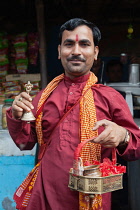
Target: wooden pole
column 42, row 42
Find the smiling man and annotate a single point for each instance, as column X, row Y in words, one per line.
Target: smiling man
column 77, row 51
column 71, row 109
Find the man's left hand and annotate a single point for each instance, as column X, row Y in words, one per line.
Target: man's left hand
column 112, row 136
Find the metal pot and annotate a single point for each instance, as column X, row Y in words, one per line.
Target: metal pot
column 134, row 73
column 92, row 170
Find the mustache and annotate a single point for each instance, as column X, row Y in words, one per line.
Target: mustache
column 76, row 57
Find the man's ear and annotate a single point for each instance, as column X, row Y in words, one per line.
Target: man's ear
column 59, row 56
column 96, row 52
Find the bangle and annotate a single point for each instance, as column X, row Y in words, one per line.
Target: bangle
column 126, row 139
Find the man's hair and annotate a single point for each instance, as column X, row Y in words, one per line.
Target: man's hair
column 71, row 24
column 112, row 63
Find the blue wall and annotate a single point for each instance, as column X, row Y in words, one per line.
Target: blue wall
column 13, row 170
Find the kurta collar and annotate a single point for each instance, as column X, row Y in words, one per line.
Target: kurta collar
column 80, row 79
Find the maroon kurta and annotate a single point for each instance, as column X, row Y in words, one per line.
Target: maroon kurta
column 51, row 190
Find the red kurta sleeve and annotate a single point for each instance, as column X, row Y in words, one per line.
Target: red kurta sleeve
column 112, row 106
column 123, row 117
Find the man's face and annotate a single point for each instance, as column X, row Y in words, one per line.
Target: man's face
column 77, row 51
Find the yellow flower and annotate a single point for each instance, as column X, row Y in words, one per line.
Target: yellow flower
column 130, row 30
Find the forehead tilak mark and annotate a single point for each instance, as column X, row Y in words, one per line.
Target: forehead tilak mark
column 77, row 38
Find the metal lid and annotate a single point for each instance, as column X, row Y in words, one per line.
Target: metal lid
column 10, row 100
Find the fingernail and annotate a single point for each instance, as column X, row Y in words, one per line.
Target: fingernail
column 32, row 107
column 30, row 99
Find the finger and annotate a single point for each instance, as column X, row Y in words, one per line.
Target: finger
column 25, row 96
column 106, row 142
column 107, row 138
column 23, row 101
column 105, row 135
column 24, row 105
column 17, row 111
column 109, row 143
column 100, row 123
column 108, row 146
column 16, row 108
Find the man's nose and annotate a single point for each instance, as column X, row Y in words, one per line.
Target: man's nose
column 76, row 49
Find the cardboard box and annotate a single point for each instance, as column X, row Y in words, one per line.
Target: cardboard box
column 23, row 77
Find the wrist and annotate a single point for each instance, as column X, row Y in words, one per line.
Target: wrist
column 14, row 116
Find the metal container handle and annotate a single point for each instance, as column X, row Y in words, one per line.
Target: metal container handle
column 81, row 145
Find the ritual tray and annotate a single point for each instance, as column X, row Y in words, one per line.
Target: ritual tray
column 95, row 185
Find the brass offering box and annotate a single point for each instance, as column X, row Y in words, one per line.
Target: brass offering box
column 90, row 183
column 95, row 185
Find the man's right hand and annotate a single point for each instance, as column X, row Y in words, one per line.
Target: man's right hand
column 21, row 104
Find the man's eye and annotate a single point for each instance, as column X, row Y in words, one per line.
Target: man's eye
column 68, row 44
column 84, row 44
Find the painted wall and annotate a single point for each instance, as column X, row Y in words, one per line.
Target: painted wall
column 14, row 167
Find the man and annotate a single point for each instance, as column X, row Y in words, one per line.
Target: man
column 71, row 109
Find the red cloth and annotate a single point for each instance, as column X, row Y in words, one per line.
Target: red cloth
column 51, row 188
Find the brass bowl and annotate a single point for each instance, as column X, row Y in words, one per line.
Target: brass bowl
column 92, row 170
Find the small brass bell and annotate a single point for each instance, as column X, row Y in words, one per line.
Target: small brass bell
column 28, row 116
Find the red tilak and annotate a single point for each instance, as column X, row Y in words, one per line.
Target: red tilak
column 76, row 37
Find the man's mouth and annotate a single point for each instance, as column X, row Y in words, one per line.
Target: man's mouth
column 76, row 59
column 75, row 62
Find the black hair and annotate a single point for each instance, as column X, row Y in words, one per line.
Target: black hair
column 112, row 63
column 71, row 24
